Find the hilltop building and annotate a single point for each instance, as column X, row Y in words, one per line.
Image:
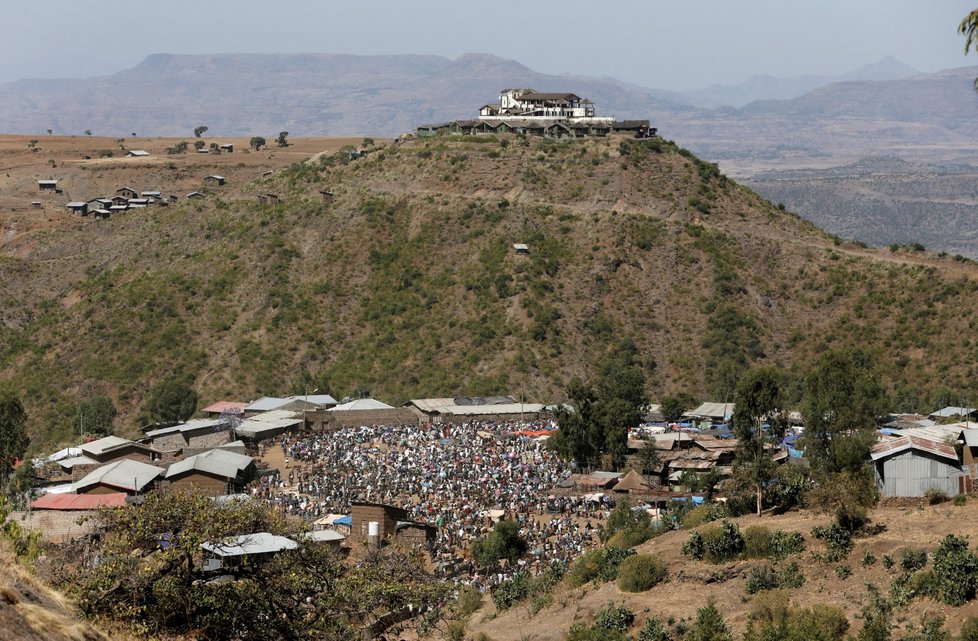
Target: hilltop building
column 555, row 115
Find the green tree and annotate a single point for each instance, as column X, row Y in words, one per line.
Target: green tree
column 283, row 139
column 88, row 132
column 673, row 407
column 648, row 458
column 504, row 542
column 709, row 625
column 199, row 131
column 969, row 29
column 13, row 434
column 257, row 142
column 199, row 144
column 841, row 400
column 96, row 416
column 50, row 131
column 170, row 401
column 758, row 400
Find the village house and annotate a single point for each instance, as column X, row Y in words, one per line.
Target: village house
column 214, row 180
column 910, row 466
column 362, row 411
column 37, row 204
column 101, row 214
column 268, row 199
column 227, row 147
column 195, row 195
column 125, row 192
column 214, row 473
column 131, row 477
column 327, row 196
column 197, row 433
column 268, row 424
column 114, row 448
column 220, row 408
column 474, row 408
column 78, row 207
column 137, row 153
column 120, row 201
column 47, row 185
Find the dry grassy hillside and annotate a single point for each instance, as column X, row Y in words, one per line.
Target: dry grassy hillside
column 692, row 583
column 407, row 283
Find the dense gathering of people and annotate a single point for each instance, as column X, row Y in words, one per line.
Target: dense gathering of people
column 460, row 477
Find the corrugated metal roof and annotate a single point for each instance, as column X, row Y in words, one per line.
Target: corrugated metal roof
column 362, row 404
column 189, row 426
column 315, row 399
column 69, row 463
column 894, row 446
column 951, row 410
column 218, row 462
column 220, row 407
column 325, row 536
column 125, row 474
column 257, row 543
column 104, row 444
column 712, row 410
column 502, row 408
column 79, row 501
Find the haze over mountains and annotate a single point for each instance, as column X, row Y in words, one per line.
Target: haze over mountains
column 883, row 109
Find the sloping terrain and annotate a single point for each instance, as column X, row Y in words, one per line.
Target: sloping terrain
column 884, row 200
column 407, row 284
column 692, row 583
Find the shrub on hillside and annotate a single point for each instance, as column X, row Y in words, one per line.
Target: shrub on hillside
column 956, row 571
column 772, row 617
column 509, row 593
column 838, row 541
column 757, row 542
column 598, row 565
column 705, row 513
column 723, row 543
column 935, row 496
column 614, row 617
column 784, row 544
column 641, row 572
column 765, row 577
column 912, row 559
column 969, row 629
column 709, row 625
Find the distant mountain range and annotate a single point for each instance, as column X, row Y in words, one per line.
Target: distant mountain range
column 765, row 87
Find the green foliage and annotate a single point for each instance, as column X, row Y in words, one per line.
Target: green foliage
column 283, row 139
column 847, row 495
column 956, row 569
column 705, row 513
column 887, row 561
column 199, row 131
column 868, row 560
column 504, row 542
column 912, row 559
column 616, row 618
column 673, row 407
column 160, row 590
column 468, row 601
column 170, row 401
column 772, row 618
column 784, row 544
column 936, row 496
column 13, row 434
column 629, row 526
column 600, row 565
column 969, row 629
column 757, row 542
column 512, row 591
column 654, row 630
column 709, row 625
column 641, row 572
column 603, row 413
column 843, row 571
column 179, row 148
column 26, row 542
column 838, row 541
column 877, row 617
column 931, row 629
column 758, row 400
column 715, row 544
column 256, row 142
column 765, row 577
column 95, row 416
column 842, row 398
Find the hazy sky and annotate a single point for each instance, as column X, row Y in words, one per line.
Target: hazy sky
column 670, row 44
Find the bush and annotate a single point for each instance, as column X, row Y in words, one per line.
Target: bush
column 868, row 559
column 509, row 593
column 694, row 546
column 913, row 559
column 761, row 577
column 706, row 513
column 598, row 565
column 838, row 541
column 773, row 618
column 960, row 499
column 722, row 544
column 784, row 544
column 791, row 576
column 469, row 600
column 843, row 571
column 641, row 572
column 614, row 617
column 653, row 630
column 887, row 561
column 935, row 496
column 709, row 625
column 757, row 542
column 956, row 570
column 969, row 629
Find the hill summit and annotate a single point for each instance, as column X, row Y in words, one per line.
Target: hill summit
column 406, row 283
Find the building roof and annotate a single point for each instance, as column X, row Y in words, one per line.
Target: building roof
column 267, row 403
column 257, row 543
column 534, row 95
column 324, row 536
column 69, row 463
column 189, row 426
column 214, row 177
column 884, row 449
column 951, row 410
column 125, row 474
column 315, row 399
column 631, row 481
column 79, row 501
column 47, row 182
column 220, row 407
column 217, row 462
column 138, row 152
column 268, row 422
column 125, row 189
column 76, row 203
column 713, row 410
column 105, row 444
column 362, row 404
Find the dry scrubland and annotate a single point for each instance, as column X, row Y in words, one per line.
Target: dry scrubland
column 407, row 283
column 692, row 583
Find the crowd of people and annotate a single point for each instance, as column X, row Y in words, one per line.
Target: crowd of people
column 461, row 478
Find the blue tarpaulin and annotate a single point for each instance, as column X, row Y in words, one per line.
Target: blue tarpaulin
column 346, row 520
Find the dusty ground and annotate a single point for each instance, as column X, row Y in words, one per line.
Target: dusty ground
column 691, row 583
column 63, row 158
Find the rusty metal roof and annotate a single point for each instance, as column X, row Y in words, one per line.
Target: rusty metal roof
column 79, row 501
column 884, row 449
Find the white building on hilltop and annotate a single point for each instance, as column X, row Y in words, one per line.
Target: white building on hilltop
column 529, row 104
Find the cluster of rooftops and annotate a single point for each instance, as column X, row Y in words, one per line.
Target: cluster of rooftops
column 125, row 198
column 525, row 111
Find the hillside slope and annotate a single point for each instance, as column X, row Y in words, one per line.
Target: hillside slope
column 407, row 284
